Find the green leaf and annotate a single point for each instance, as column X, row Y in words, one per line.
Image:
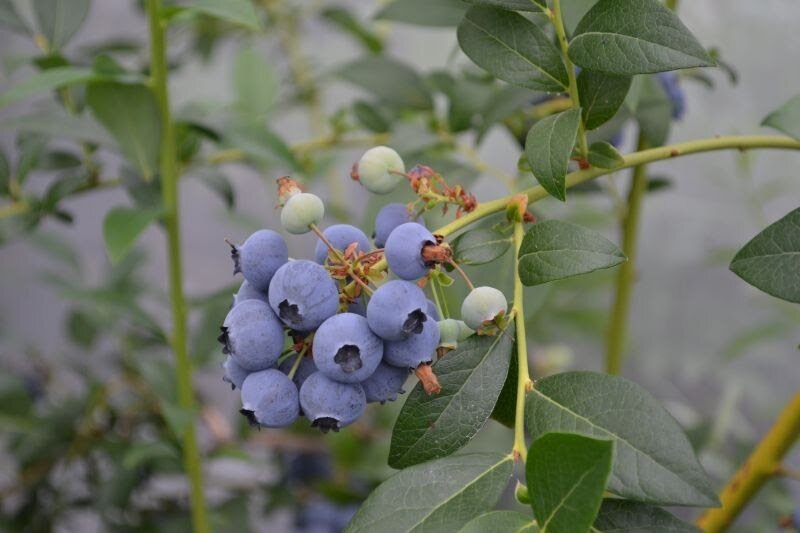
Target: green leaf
column 130, row 114
column 480, row 246
column 437, row 13
column 393, row 82
column 505, row 408
column 601, row 96
column 501, row 521
column 59, row 20
column 471, row 376
column 239, row 12
column 771, row 260
column 501, row 105
column 122, row 226
column 653, row 110
column 512, row 48
column 511, row 5
column 345, row 20
column 623, row 515
column 10, row 19
column 654, row 462
column 635, row 37
column 548, row 148
column 139, row 454
column 604, row 155
column 59, row 124
column 255, row 83
column 48, row 80
column 786, row 118
column 441, row 495
column 567, row 474
column 370, row 117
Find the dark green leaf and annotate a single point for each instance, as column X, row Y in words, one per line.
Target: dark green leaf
column 635, row 37
column 512, row 48
column 239, row 12
column 786, row 118
column 471, row 376
column 10, row 19
column 601, row 96
column 512, row 5
column 441, row 495
column 424, row 12
column 548, row 147
column 653, row 110
column 48, row 80
column 393, row 82
column 130, row 114
column 480, row 246
column 345, row 20
column 771, row 260
column 604, row 155
column 654, row 462
column 567, row 474
column 59, row 20
column 622, row 515
column 256, row 84
column 122, row 226
column 505, row 408
column 501, row 521
column 82, row 330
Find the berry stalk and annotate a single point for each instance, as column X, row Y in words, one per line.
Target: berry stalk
column 524, row 383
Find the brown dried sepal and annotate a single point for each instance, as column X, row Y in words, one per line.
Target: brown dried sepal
column 287, row 187
column 430, row 383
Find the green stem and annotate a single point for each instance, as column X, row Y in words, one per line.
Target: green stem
column 561, row 33
column 439, row 299
column 736, row 142
column 169, row 192
column 626, row 274
column 524, row 383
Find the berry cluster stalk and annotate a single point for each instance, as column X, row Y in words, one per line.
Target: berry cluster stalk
column 524, row 383
column 169, row 192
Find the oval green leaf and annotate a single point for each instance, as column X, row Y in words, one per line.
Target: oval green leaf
column 623, row 515
column 604, row 155
column 786, row 118
column 393, row 82
column 601, row 96
column 122, row 226
column 480, row 246
column 505, row 521
column 548, row 147
column 59, row 20
column 435, row 13
column 48, row 80
column 239, row 12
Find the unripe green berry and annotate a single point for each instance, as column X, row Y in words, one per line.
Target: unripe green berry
column 482, row 304
column 380, row 170
column 452, row 331
column 300, row 211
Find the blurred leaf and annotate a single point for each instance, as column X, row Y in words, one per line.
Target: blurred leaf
column 786, row 118
column 512, row 48
column 604, row 155
column 391, row 81
column 10, row 19
column 5, row 173
column 480, row 246
column 130, row 114
column 261, row 144
column 59, row 124
column 203, row 341
column 370, row 117
column 256, row 83
column 466, row 99
column 437, row 13
column 601, row 96
column 624, row 515
column 548, row 147
column 239, row 12
column 659, row 183
column 505, row 521
column 567, row 476
column 512, row 5
column 345, row 20
column 138, row 454
column 57, row 248
column 441, row 495
column 48, row 80
column 503, row 104
column 30, row 149
column 629, row 37
column 771, row 260
column 59, row 20
column 218, row 183
column 653, row 110
column 745, row 340
column 59, row 160
column 122, row 226
column 177, row 418
column 81, row 328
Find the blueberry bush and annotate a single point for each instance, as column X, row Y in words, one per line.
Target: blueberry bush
column 473, row 427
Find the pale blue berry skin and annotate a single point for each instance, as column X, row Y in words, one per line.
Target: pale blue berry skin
column 303, row 295
column 261, row 255
column 340, row 236
column 431, row 311
column 234, row 374
column 403, row 250
column 397, row 310
column 305, row 369
column 345, row 349
column 358, row 307
column 482, row 304
column 254, row 335
column 385, row 383
column 270, row 399
column 248, row 292
column 329, row 404
column 417, row 349
column 388, row 218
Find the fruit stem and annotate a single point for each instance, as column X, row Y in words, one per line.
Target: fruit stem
column 439, row 300
column 524, row 382
column 626, row 274
column 296, row 364
column 169, row 192
column 340, row 258
column 462, row 274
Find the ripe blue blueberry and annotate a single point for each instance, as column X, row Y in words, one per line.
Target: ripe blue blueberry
column 796, row 518
column 248, row 292
column 323, row 516
column 397, row 310
column 388, row 218
column 270, row 399
column 345, row 349
column 303, row 295
column 380, row 170
column 385, row 383
column 261, row 255
column 305, row 369
column 431, row 311
column 234, row 374
column 482, row 304
column 300, row 211
column 340, row 236
column 358, row 307
column 253, row 335
column 670, row 84
column 416, row 349
column 329, row 404
column 404, row 250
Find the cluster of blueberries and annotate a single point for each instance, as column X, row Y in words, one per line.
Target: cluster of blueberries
column 297, row 345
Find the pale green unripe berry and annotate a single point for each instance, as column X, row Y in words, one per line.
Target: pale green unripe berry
column 451, row 331
column 374, row 170
column 300, row 211
column 482, row 304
